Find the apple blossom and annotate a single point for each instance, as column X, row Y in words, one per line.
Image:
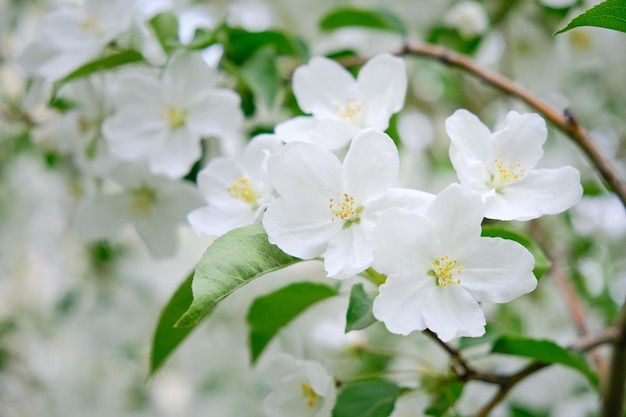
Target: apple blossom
column 327, row 208
column 439, row 267
column 237, row 190
column 501, row 167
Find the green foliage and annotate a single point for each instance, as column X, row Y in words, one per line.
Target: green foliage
column 261, row 75
column 240, row 44
column 229, row 263
column 492, row 333
column 444, row 394
column 268, row 314
column 359, row 314
column 542, row 263
column 166, row 336
column 375, row 398
column 544, row 351
column 374, row 19
column 452, row 39
column 165, row 27
column 610, row 14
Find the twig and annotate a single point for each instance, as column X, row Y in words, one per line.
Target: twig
column 613, row 398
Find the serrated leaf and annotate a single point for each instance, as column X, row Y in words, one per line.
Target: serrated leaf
column 610, row 14
column 101, row 64
column 359, row 314
column 270, row 313
column 375, row 19
column 165, row 27
column 542, row 263
column 241, row 44
column 166, row 336
column 261, row 75
column 544, row 351
column 231, row 261
column 375, row 398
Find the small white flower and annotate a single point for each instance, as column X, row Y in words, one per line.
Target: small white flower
column 469, row 18
column 439, row 267
column 501, row 167
column 327, row 208
column 299, row 389
column 163, row 120
column 342, row 106
column 237, row 190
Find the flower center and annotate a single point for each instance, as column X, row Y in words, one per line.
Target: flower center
column 444, row 270
column 176, row 117
column 344, row 208
column 84, row 124
column 309, row 395
column 505, row 172
column 241, row 189
column 142, row 200
column 351, row 111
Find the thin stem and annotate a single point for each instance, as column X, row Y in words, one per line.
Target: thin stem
column 613, row 398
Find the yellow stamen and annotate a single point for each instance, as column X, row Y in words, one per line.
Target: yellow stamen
column 142, row 200
column 351, row 111
column 309, row 395
column 344, row 209
column 444, row 270
column 242, row 190
column 506, row 172
column 176, row 117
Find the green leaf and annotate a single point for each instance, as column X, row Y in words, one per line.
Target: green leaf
column 491, row 334
column 542, row 263
column 268, row 314
column 166, row 336
column 375, row 19
column 610, row 14
column 165, row 26
column 231, row 261
column 108, row 62
column 544, row 351
column 261, row 75
column 240, row 44
column 375, row 398
column 359, row 315
column 444, row 394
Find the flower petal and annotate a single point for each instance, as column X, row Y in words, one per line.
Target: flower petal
column 401, row 302
column 451, row 312
column 348, row 253
column 384, row 76
column 176, row 155
column 217, row 113
column 185, row 75
column 542, row 191
column 213, row 221
column 521, row 138
column 214, row 180
column 469, row 137
column 137, row 89
column 497, row 270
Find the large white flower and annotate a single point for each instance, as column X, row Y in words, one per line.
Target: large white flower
column 439, row 267
column 163, row 120
column 501, row 167
column 327, row 208
column 299, row 389
column 342, row 106
column 237, row 190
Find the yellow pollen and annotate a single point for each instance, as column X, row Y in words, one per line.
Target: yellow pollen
column 89, row 23
column 176, row 117
column 343, row 209
column 142, row 200
column 581, row 40
column 444, row 270
column 350, row 111
column 506, row 172
column 309, row 395
column 83, row 124
column 242, row 190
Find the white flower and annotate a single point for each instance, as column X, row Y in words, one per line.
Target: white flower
column 154, row 206
column 299, row 389
column 72, row 36
column 237, row 190
column 328, row 209
column 439, row 267
column 501, row 167
column 469, row 18
column 342, row 106
column 163, row 121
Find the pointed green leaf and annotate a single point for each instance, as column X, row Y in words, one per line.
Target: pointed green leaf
column 610, row 14
column 542, row 263
column 544, row 351
column 375, row 398
column 166, row 336
column 232, row 261
column 240, row 44
column 108, row 62
column 359, row 314
column 165, row 27
column 375, row 19
column 261, row 75
column 268, row 314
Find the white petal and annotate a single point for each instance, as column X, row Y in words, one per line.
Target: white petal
column 348, row 253
column 176, row 155
column 132, row 136
column 321, row 85
column 213, row 221
column 384, row 76
column 542, row 191
column 401, row 302
column 405, row 198
column 371, row 166
column 214, row 179
column 186, row 75
column 300, row 225
column 215, row 113
column 297, row 129
column 451, row 312
column 497, row 270
column 101, row 216
column 469, row 137
column 306, row 169
column 257, row 153
column 522, row 138
column 137, row 89
column 159, row 236
column 456, row 215
column 332, row 134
